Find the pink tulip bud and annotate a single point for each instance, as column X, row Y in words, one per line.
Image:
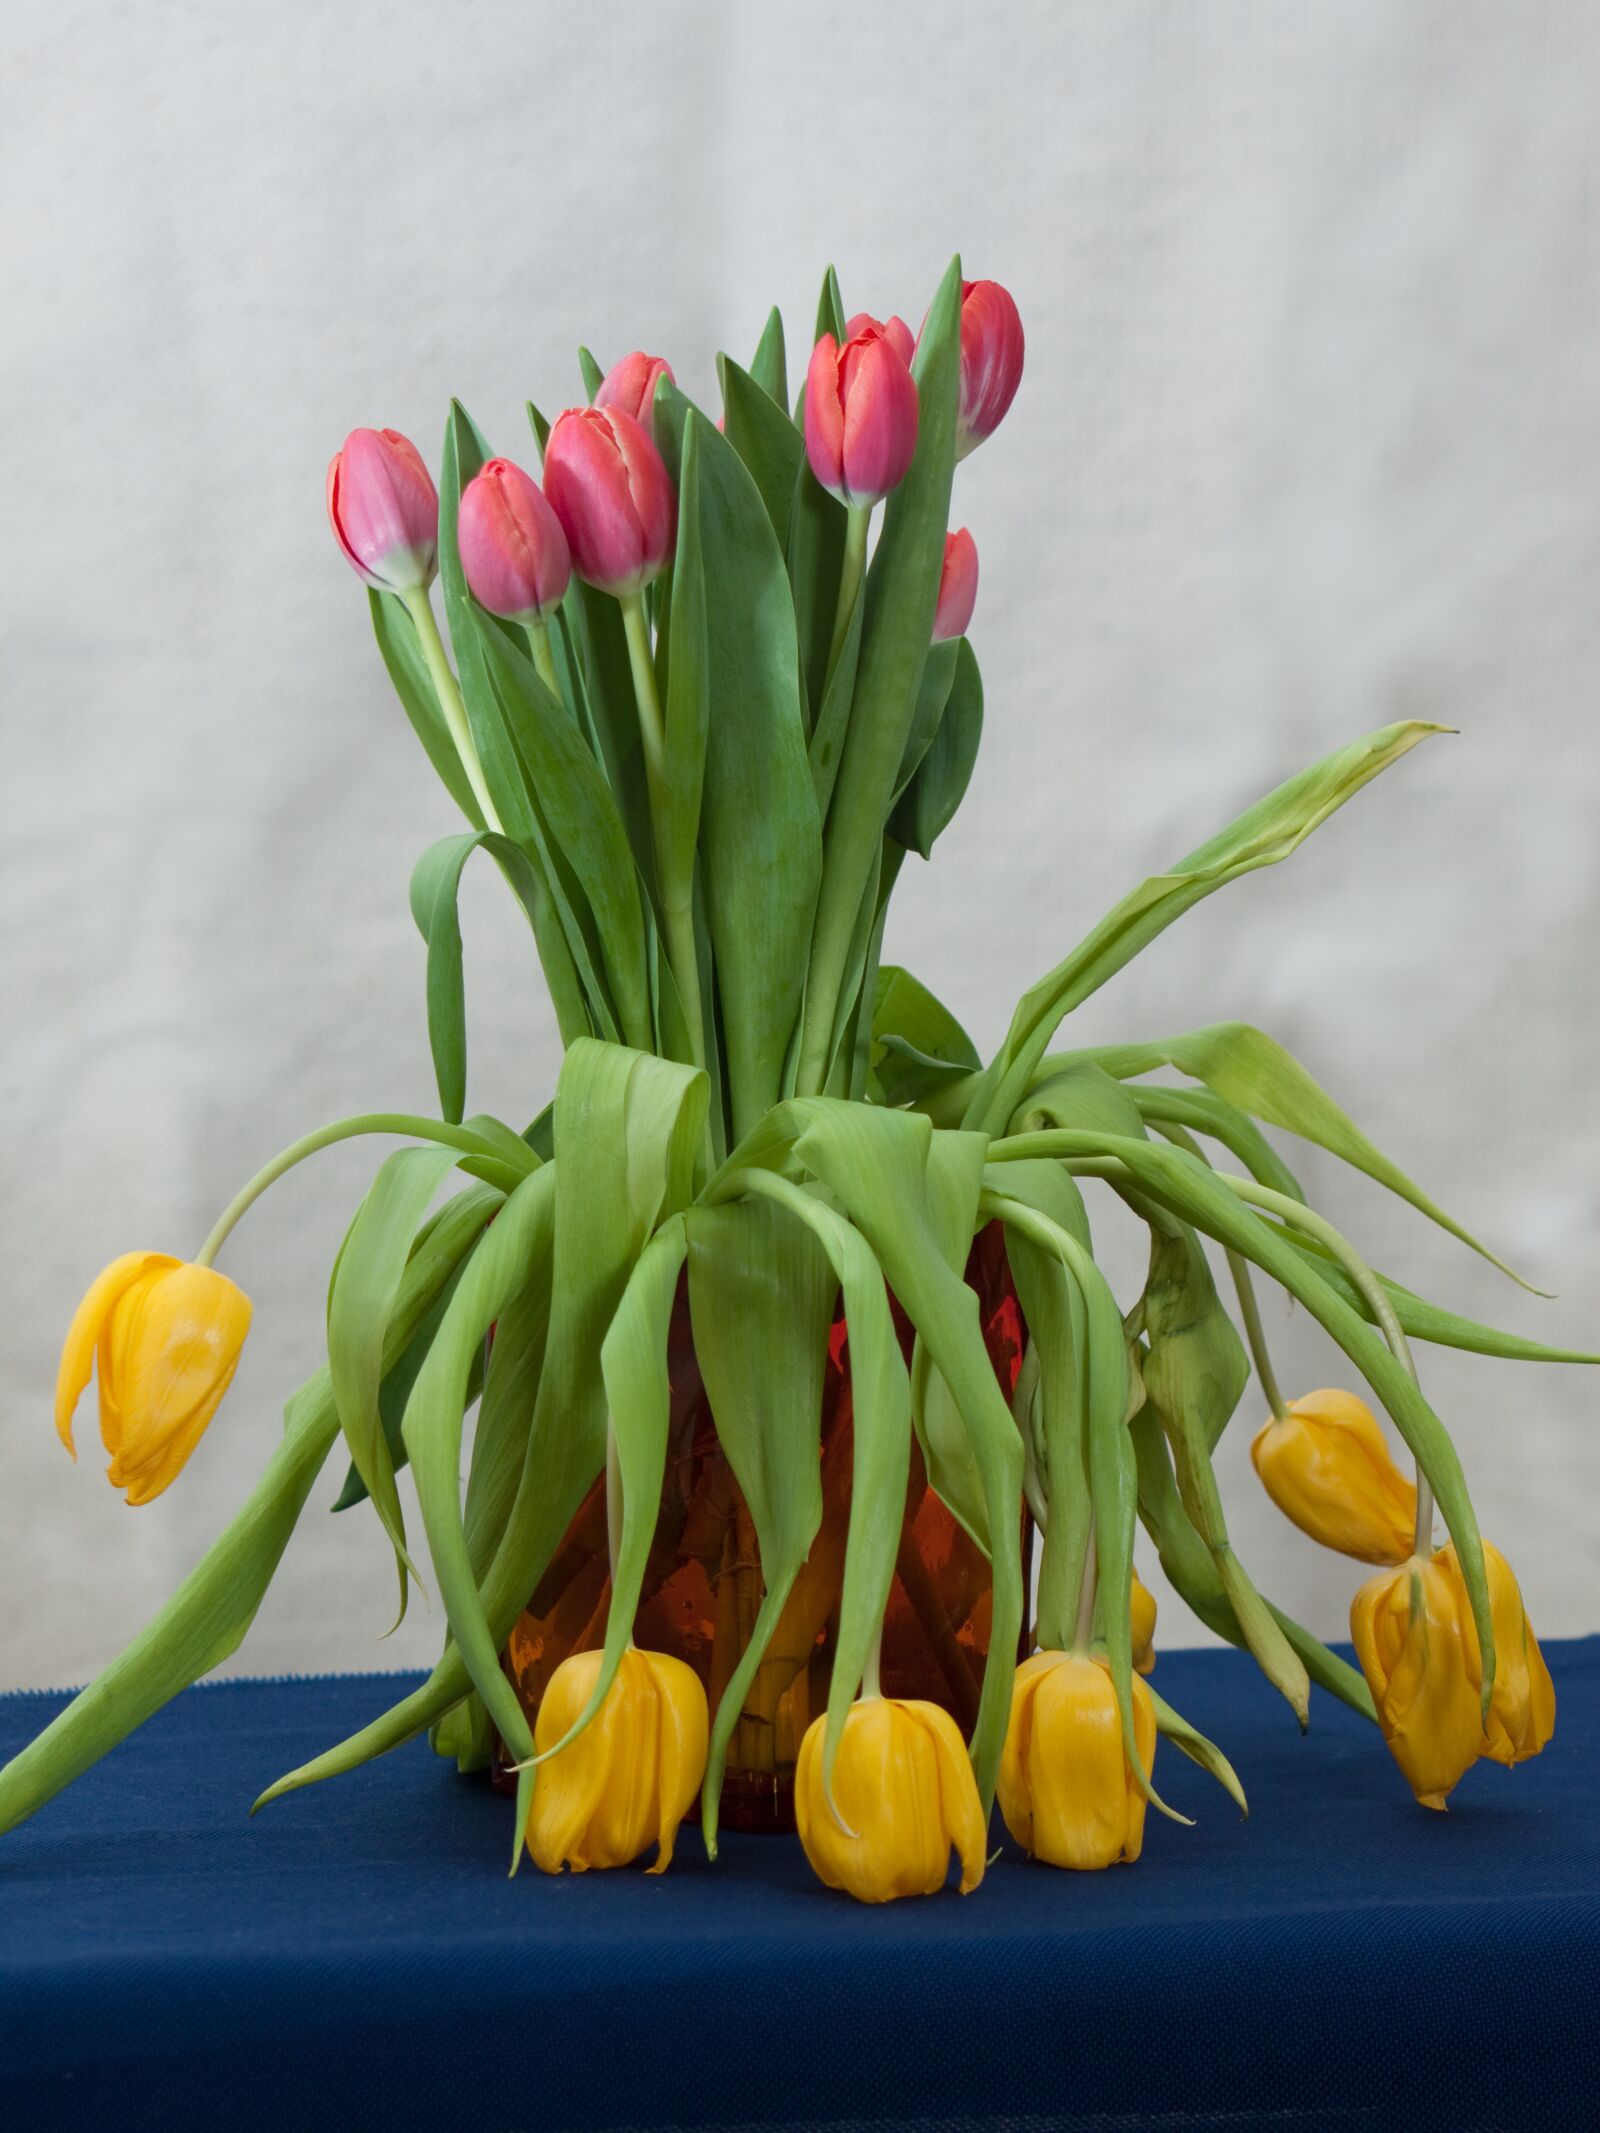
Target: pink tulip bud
column 631, row 385
column 991, row 361
column 861, row 415
column 513, row 550
column 606, row 482
column 894, row 330
column 958, row 586
column 384, row 510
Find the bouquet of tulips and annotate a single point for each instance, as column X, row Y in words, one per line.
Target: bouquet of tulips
column 698, row 714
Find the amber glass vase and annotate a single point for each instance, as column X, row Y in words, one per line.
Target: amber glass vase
column 703, row 1584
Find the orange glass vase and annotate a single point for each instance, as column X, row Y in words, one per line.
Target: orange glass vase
column 703, row 1584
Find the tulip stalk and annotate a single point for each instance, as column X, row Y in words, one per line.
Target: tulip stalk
column 420, row 608
column 675, row 886
column 858, row 518
column 403, row 1124
column 1255, row 1336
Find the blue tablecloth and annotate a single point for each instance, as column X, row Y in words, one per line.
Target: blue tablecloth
column 355, row 1956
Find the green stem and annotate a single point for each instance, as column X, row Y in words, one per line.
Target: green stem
column 1085, row 1623
column 420, row 609
column 857, row 519
column 543, row 658
column 401, row 1123
column 1250, row 1312
column 674, row 885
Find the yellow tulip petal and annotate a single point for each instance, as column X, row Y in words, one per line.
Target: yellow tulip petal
column 174, row 1338
column 1077, row 1768
column 1522, row 1706
column 83, row 1335
column 888, row 1783
column 685, row 1730
column 1145, row 1738
column 1327, row 1466
column 568, row 1788
column 1410, row 1635
column 1012, row 1791
column 1142, row 1625
column 961, row 1809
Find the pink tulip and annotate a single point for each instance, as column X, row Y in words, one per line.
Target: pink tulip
column 607, row 484
column 958, row 586
column 385, row 510
column 894, row 330
column 513, row 550
column 861, row 415
column 991, row 361
column 631, row 385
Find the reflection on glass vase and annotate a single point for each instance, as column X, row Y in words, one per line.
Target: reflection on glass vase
column 703, row 1584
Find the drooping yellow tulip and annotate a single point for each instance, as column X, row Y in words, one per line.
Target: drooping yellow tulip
column 1326, row 1466
column 168, row 1337
column 1066, row 1789
column 1412, row 1630
column 630, row 1776
column 904, row 1786
column 1522, row 1704
column 1142, row 1624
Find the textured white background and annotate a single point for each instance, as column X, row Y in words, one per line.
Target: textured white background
column 1309, row 440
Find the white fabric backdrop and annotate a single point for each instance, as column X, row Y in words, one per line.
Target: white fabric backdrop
column 1309, row 440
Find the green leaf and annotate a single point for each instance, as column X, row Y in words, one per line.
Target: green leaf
column 767, row 365
column 397, row 641
column 938, row 783
column 825, row 748
column 816, row 537
column 1189, row 1741
column 626, row 1130
column 1264, row 834
column 206, row 1619
column 760, row 844
column 918, row 1043
column 582, row 822
column 766, row 440
column 1188, row 1188
column 432, row 1431
column 435, row 888
column 1423, row 1321
column 593, row 376
column 1082, row 1097
column 1247, row 1068
column 881, row 1447
column 761, row 1297
column 365, row 1290
column 393, row 1393
column 1200, row 1111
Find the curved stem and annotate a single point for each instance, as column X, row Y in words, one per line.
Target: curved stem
column 1250, row 1312
column 401, row 1123
column 674, row 884
column 1085, row 1623
column 1372, row 1293
column 420, row 608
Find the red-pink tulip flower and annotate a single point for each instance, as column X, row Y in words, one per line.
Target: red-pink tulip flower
column 607, row 484
column 631, row 385
column 958, row 586
column 991, row 361
column 513, row 550
column 894, row 330
column 861, row 416
column 385, row 510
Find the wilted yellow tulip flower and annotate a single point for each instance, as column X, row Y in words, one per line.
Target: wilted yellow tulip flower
column 1066, row 1789
column 904, row 1787
column 168, row 1336
column 630, row 1776
column 1142, row 1624
column 1325, row 1465
column 1413, row 1634
column 1522, row 1704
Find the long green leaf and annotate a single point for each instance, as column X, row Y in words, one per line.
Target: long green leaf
column 1247, row 1068
column 1264, row 834
column 937, row 785
column 760, row 431
column 767, row 365
column 402, row 656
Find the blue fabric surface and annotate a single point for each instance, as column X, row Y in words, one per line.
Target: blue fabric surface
column 356, row 1957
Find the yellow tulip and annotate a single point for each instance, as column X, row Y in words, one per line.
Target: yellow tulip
column 1326, row 1466
column 1413, row 1634
column 904, row 1787
column 1067, row 1791
column 168, row 1337
column 1522, row 1704
column 630, row 1776
column 1142, row 1623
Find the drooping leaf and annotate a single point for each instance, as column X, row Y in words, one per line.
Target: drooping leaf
column 397, row 641
column 1262, row 836
column 918, row 1042
column 1247, row 1068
